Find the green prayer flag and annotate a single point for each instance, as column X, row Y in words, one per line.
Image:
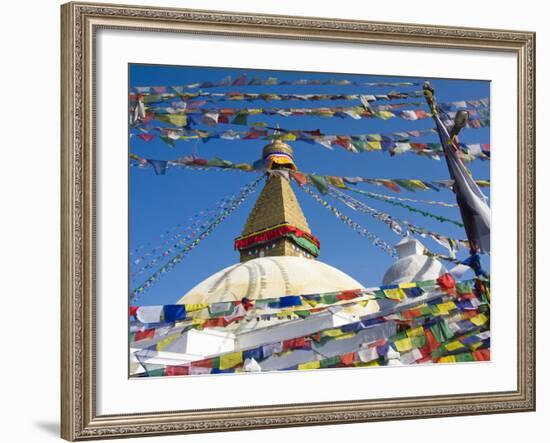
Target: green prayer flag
column 241, row 118
column 329, row 299
column 359, row 145
column 446, row 331
column 406, row 184
column 328, row 362
column 418, row 341
column 320, row 183
column 219, row 163
column 302, row 314
column 151, row 98
column 464, row 357
column 425, row 284
column 173, row 119
column 437, row 332
column 170, row 142
column 425, row 310
column 464, row 288
column 216, row 363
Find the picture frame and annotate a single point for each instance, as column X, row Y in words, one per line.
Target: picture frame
column 79, row 400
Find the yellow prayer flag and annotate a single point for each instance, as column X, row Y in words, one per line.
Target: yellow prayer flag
column 454, row 345
column 289, row 137
column 479, row 319
column 360, row 364
column 284, row 313
column 192, row 307
column 161, row 345
column 346, row 336
column 177, row 119
column 310, row 365
column 333, row 333
column 415, row 332
column 374, row 146
column 444, row 308
column 447, row 359
column 407, row 285
column 395, row 294
column 336, row 181
column 404, row 344
column 385, row 115
column 231, row 360
column 418, row 184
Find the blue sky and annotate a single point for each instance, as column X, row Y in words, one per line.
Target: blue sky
column 159, row 202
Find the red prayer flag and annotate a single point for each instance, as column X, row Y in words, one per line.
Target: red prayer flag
column 348, row 359
column 300, row 178
column 447, row 283
column 431, row 343
column 420, row 113
column 176, row 370
column 142, row 335
column 482, row 355
column 411, row 313
column 206, row 363
column 391, row 185
column 146, row 137
column 295, row 343
column 348, row 295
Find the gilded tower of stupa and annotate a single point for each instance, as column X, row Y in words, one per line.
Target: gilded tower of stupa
column 276, row 225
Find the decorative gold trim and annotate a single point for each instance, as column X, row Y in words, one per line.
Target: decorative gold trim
column 79, row 23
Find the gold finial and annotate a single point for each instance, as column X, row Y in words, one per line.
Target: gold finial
column 278, row 154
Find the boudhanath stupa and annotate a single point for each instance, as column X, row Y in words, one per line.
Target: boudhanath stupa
column 282, row 308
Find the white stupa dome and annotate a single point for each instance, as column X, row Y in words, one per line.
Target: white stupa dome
column 412, row 264
column 270, row 277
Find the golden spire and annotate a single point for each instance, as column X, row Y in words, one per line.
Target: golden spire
column 276, row 225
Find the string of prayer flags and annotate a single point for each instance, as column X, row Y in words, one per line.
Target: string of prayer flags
column 239, row 116
column 398, row 203
column 153, row 96
column 374, row 239
column 444, row 324
column 197, row 107
column 178, row 234
column 440, row 340
column 258, row 131
column 174, row 243
column 186, row 97
column 397, row 224
column 395, row 143
column 383, row 197
column 301, row 178
column 243, row 80
column 234, row 310
column 174, row 261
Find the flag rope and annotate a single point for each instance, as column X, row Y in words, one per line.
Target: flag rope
column 174, row 261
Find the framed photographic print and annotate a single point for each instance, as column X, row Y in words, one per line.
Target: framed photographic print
column 280, row 221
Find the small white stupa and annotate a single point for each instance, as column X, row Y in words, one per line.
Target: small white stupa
column 412, row 264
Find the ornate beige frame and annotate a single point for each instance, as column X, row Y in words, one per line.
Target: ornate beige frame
column 80, row 21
